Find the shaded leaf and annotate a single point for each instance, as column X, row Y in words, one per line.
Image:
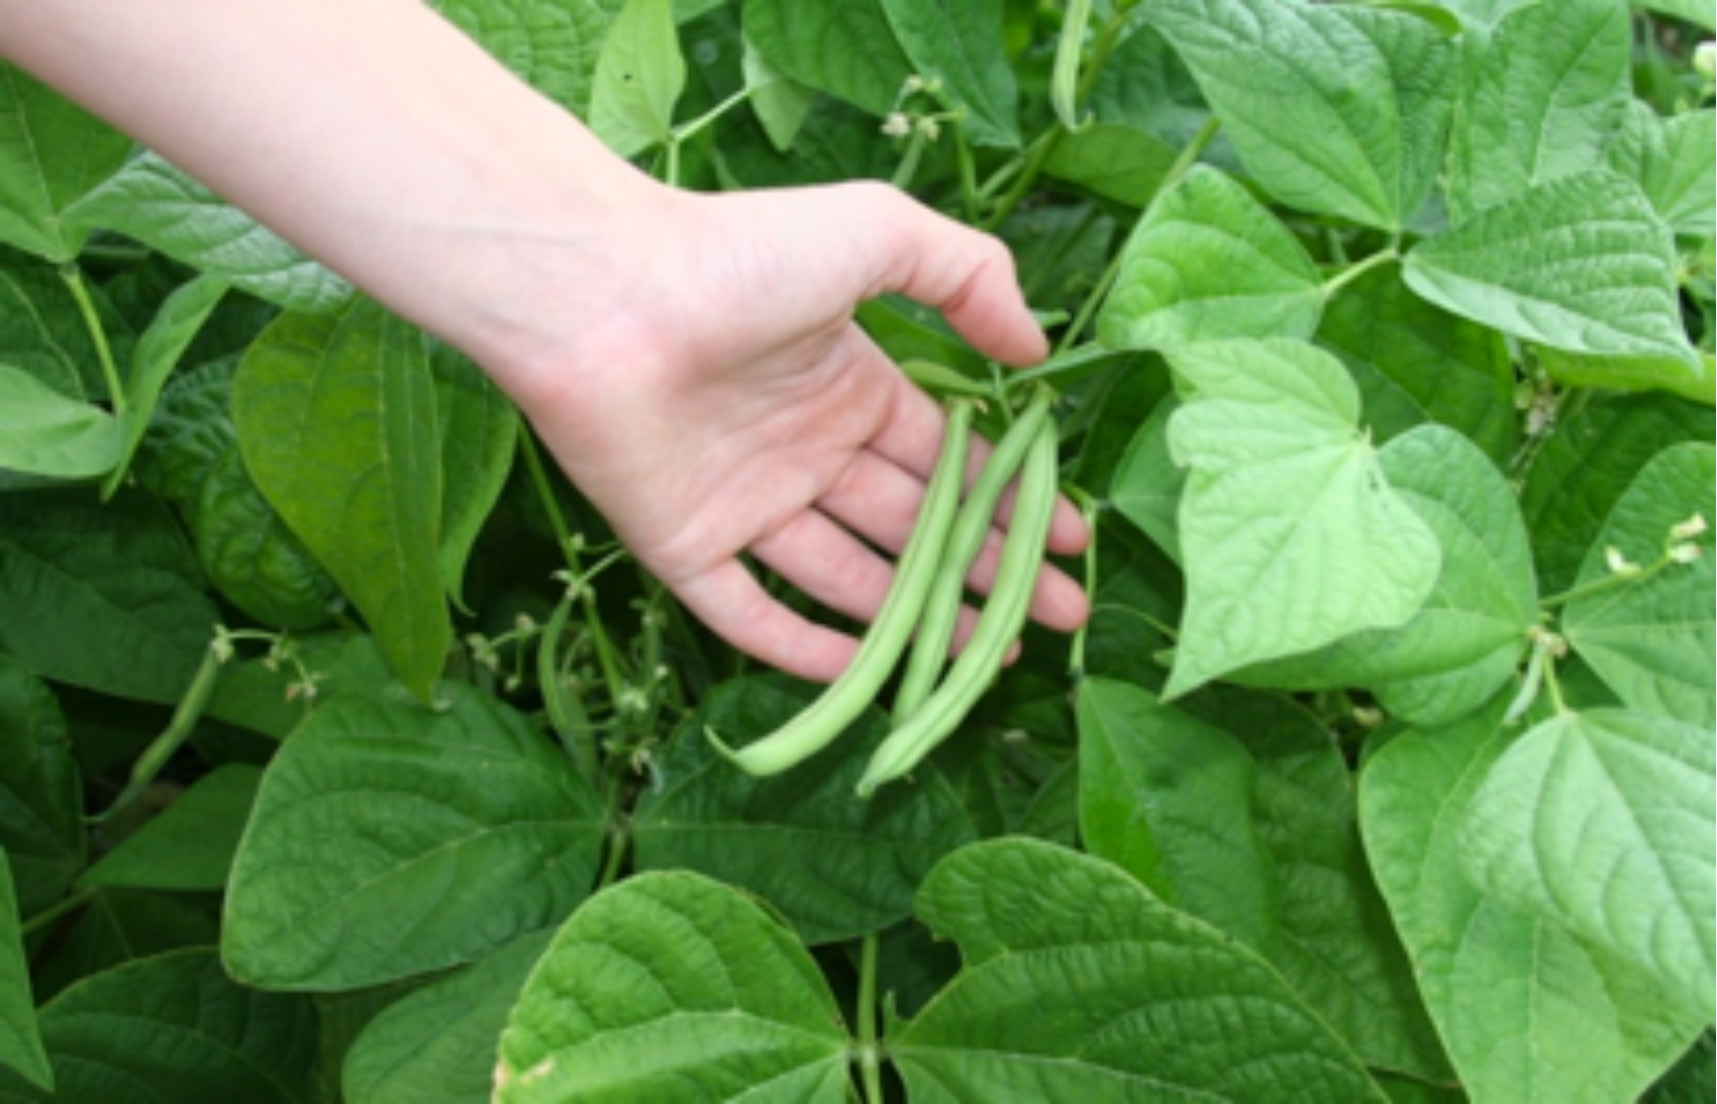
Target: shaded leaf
column 41, row 796
column 189, row 845
column 52, row 152
column 843, row 47
column 20, row 1038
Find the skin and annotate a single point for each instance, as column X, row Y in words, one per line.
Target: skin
column 690, row 360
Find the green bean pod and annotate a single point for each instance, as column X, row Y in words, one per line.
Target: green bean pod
column 1001, row 621
column 929, row 653
column 841, row 702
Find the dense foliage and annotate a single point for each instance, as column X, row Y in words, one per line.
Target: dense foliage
column 344, row 756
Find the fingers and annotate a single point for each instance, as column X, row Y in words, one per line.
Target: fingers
column 734, row 605
column 967, row 275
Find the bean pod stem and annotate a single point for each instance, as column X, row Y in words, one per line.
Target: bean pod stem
column 841, row 703
column 929, row 653
column 1002, row 619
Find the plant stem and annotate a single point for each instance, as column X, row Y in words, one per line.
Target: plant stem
column 1088, row 308
column 619, row 842
column 1062, row 361
column 1608, row 582
column 1359, row 268
column 184, row 721
column 1090, row 507
column 869, row 1053
column 58, row 909
column 687, row 130
column 1035, row 157
column 73, row 277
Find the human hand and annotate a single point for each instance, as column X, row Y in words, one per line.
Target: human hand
column 707, row 389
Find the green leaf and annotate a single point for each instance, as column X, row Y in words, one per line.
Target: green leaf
column 960, row 44
column 842, row 47
column 1147, row 486
column 1339, row 110
column 1583, row 468
column 1207, row 262
column 479, row 430
column 163, row 208
column 834, row 868
column 1696, row 12
column 1603, row 822
column 1079, row 984
column 639, row 77
column 1674, row 161
column 337, row 422
column 41, row 795
column 20, row 1038
column 42, row 332
column 170, row 333
column 1472, row 631
column 189, row 845
column 1541, row 96
column 1582, row 264
column 780, row 104
column 1112, row 160
column 120, row 926
column 51, row 153
column 1246, row 819
column 1292, row 537
column 1530, row 1013
column 104, row 597
column 551, row 44
column 44, row 433
column 1654, row 640
column 175, row 1027
column 390, row 839
column 670, row 986
column 266, row 695
column 437, row 1045
column 1633, row 373
column 1416, row 363
column 191, row 457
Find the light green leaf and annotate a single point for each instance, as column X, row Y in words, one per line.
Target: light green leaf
column 44, row 433
column 337, row 422
column 175, row 326
column 1292, row 537
column 1674, row 161
column 1112, row 160
column 1633, row 373
column 189, row 845
column 20, row 1038
column 670, row 986
column 780, row 104
column 109, row 598
column 41, row 794
column 1244, row 817
column 174, row 1027
column 191, row 457
column 391, row 839
column 1696, row 12
column 842, row 47
column 1653, row 640
column 550, row 44
column 479, row 431
column 1336, row 109
column 960, row 44
column 437, row 1045
column 1472, row 631
column 1541, row 96
column 639, row 77
column 163, row 208
column 51, row 153
column 1147, row 486
column 1416, row 363
column 833, row 868
column 1582, row 264
column 1603, row 822
column 1530, row 1014
column 1079, row 984
column 1206, row 262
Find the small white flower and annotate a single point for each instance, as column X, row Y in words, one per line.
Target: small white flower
column 930, row 128
column 1685, row 552
column 1618, row 563
column 1705, row 60
column 1687, row 530
column 897, row 125
column 913, row 83
column 1367, row 716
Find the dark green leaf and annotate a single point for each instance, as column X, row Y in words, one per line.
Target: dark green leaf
column 1113, row 160
column 479, row 431
column 20, row 1038
column 1080, row 985
column 959, row 44
column 552, row 44
column 842, row 47
column 51, row 153
column 44, row 433
column 1582, row 264
column 1206, row 262
column 670, row 986
column 1529, row 1013
column 1336, row 109
column 391, row 839
column 835, row 868
column 41, row 799
column 437, row 1045
column 1541, row 96
column 104, row 597
column 42, row 332
column 189, row 845
column 119, row 926
column 336, row 419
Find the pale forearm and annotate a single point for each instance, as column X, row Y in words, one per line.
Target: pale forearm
column 371, row 133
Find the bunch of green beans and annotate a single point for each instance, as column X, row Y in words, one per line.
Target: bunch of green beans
column 923, row 605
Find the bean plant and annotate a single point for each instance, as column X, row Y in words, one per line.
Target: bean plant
column 345, row 755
